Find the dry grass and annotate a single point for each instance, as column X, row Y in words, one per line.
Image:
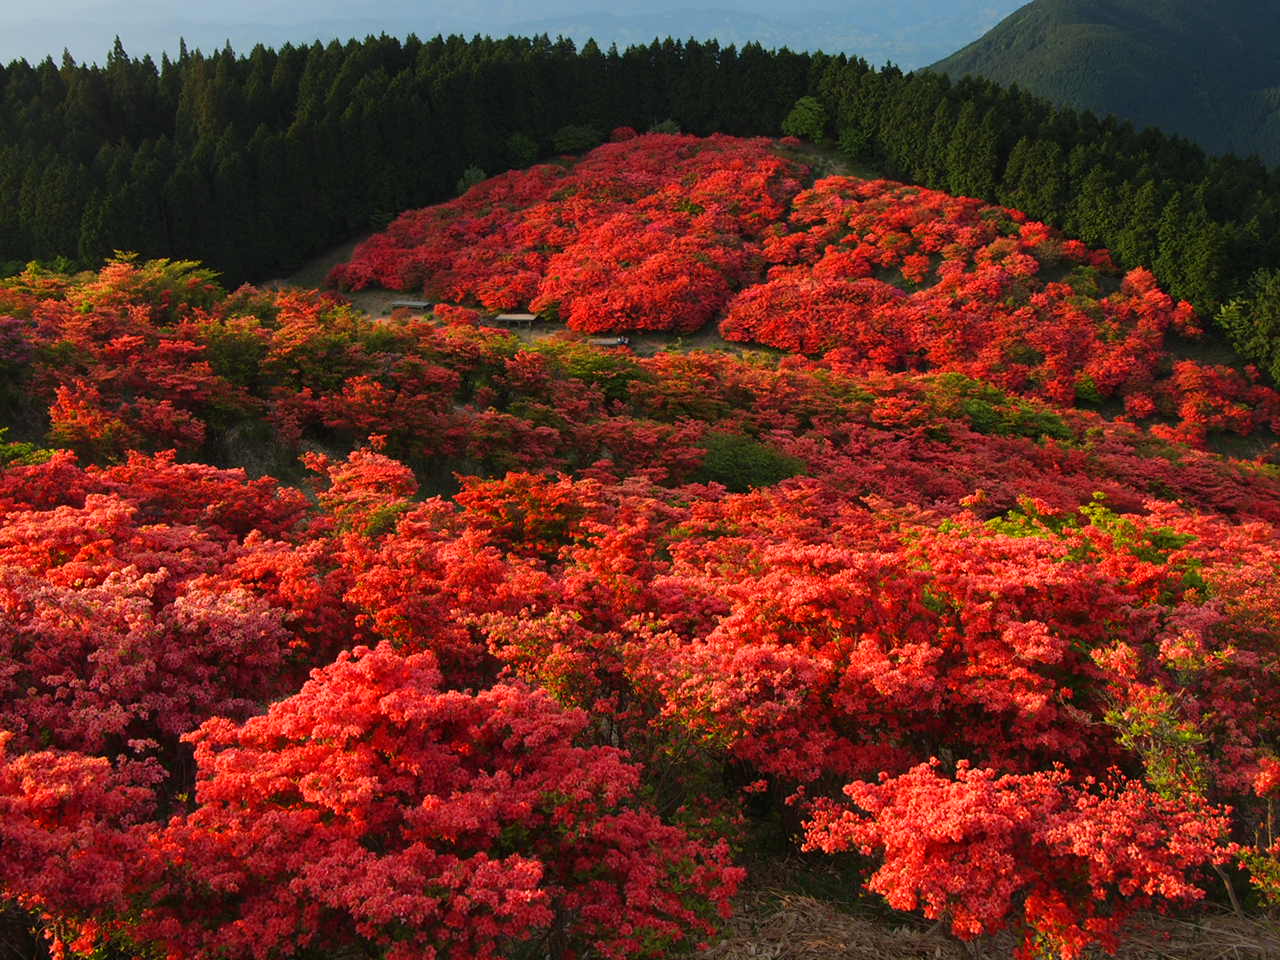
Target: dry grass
column 773, row 925
column 1217, row 937
column 777, row 925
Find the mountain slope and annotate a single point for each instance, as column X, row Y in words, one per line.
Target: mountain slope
column 1209, row 72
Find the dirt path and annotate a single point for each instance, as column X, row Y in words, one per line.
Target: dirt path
column 784, row 925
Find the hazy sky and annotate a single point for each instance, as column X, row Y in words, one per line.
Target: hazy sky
column 912, row 33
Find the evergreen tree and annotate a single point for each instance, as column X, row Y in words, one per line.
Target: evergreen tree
column 1034, row 180
column 1136, row 242
column 1252, row 322
column 973, row 154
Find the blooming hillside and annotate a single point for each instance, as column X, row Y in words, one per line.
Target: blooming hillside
column 542, row 642
column 651, row 233
column 667, row 232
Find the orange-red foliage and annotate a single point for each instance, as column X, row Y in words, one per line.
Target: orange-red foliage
column 1018, row 654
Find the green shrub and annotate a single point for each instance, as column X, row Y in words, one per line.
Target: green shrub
column 470, row 177
column 807, row 120
column 235, row 349
column 989, row 410
column 613, row 372
column 575, row 138
column 522, row 150
column 741, row 464
column 18, row 454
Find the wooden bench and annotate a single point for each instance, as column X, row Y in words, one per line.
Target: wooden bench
column 512, row 321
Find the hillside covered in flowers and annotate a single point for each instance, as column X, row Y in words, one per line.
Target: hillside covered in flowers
column 671, row 233
column 327, row 635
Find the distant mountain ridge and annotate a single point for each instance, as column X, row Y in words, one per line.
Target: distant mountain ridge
column 910, row 33
column 1210, row 72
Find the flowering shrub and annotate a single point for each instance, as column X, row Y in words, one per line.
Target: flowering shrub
column 72, row 831
column 373, row 810
column 665, row 223
column 905, row 583
column 882, row 276
column 977, row 848
column 125, row 622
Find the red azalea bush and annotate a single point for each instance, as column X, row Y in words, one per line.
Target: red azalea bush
column 666, row 222
column 815, row 640
column 72, row 831
column 375, row 810
column 782, row 632
column 124, row 377
column 981, row 292
column 875, row 276
column 1076, row 861
column 125, row 623
column 628, row 273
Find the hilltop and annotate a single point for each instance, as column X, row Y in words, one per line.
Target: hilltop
column 1210, row 72
column 672, row 233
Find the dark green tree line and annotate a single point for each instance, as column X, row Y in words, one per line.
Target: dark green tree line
column 254, row 162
